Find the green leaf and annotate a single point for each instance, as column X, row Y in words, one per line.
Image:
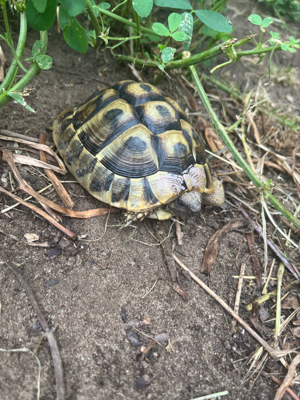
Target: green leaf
column 284, row 47
column 180, row 4
column 214, row 20
column 186, row 26
column 174, row 21
column 161, row 67
column 267, row 21
column 275, row 35
column 167, row 54
column 44, row 62
column 160, row 29
column 92, row 34
column 41, row 21
column 64, row 18
column 255, row 19
column 142, row 7
column 74, row 7
column 104, row 6
column 40, row 5
column 37, row 47
column 291, row 50
column 16, row 96
column 76, row 37
column 180, row 36
column 209, row 32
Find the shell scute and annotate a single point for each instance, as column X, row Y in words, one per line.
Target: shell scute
column 131, row 154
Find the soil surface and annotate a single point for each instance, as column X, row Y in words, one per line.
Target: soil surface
column 95, row 292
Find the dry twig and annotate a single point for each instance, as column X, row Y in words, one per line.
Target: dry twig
column 273, row 353
column 60, row 190
column 239, row 291
column 271, row 245
column 288, row 378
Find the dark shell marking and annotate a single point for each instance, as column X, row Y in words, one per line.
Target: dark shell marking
column 131, row 146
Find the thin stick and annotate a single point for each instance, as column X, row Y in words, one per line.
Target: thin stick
column 60, row 190
column 290, row 392
column 25, row 350
column 178, row 234
column 278, row 303
column 27, row 198
column 269, row 295
column 142, row 333
column 271, row 245
column 212, row 396
column 239, row 291
column 273, row 353
column 152, row 287
column 60, row 389
column 23, row 137
column 28, row 189
column 255, row 130
column 223, row 159
column 288, row 378
column 278, row 227
column 264, row 234
column 37, row 146
column 39, row 211
column 46, row 244
column 264, row 291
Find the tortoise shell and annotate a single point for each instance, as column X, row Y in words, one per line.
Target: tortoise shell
column 132, row 147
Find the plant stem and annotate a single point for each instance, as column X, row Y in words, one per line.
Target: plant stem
column 138, row 27
column 33, row 71
column 126, row 22
column 222, row 132
column 95, row 24
column 223, row 86
column 262, row 50
column 12, row 72
column 197, row 58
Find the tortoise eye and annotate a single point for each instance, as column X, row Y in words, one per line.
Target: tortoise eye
column 181, row 203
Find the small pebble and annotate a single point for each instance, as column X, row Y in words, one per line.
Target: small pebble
column 142, row 382
column 64, row 244
column 51, row 282
column 162, row 337
column 53, row 252
column 124, row 315
column 133, row 338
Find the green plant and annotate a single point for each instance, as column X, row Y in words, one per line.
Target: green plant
column 162, row 45
column 289, row 9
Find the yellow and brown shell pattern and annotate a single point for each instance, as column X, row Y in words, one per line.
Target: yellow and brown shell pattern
column 132, row 147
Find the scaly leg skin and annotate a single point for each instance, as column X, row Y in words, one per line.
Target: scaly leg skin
column 215, row 199
column 132, row 217
column 158, row 213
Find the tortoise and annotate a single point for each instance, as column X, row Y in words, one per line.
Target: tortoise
column 132, row 147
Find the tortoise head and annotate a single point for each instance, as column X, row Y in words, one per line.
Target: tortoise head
column 190, row 203
column 186, row 205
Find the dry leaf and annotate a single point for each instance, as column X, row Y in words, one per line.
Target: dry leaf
column 296, row 331
column 211, row 250
column 289, row 302
column 181, row 292
column 254, row 258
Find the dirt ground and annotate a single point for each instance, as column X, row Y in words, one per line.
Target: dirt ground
column 93, row 292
